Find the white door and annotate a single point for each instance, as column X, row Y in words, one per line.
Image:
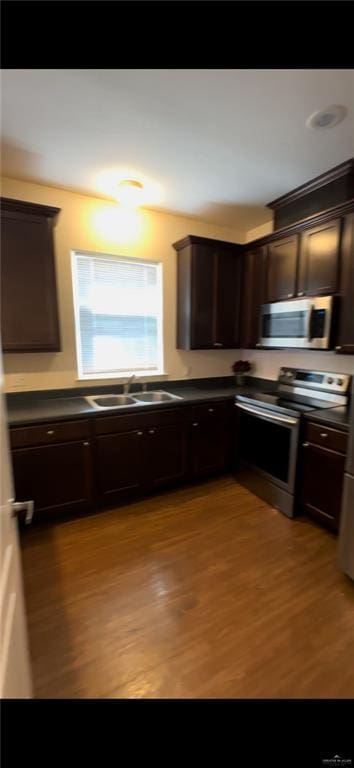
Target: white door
column 15, row 672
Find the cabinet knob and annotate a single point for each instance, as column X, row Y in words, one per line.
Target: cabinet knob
column 151, row 431
column 139, row 433
column 305, row 445
column 323, row 434
column 195, row 424
column 50, row 431
column 86, row 444
column 338, row 349
column 211, row 410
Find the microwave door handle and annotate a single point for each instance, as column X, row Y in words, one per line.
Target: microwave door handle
column 309, row 327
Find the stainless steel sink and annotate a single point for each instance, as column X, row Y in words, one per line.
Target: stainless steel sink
column 110, row 401
column 155, row 397
column 122, row 401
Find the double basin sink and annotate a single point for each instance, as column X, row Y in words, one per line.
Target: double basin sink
column 122, row 401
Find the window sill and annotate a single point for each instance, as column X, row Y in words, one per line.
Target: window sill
column 123, row 377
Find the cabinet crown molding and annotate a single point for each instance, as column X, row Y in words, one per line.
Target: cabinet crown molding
column 196, row 240
column 344, row 169
column 10, row 205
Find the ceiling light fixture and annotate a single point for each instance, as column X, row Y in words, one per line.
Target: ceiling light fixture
column 327, row 118
column 129, row 192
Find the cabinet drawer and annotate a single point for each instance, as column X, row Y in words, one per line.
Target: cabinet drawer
column 326, row 437
column 149, row 418
column 48, row 433
column 210, row 410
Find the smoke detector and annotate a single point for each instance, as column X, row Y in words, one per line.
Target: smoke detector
column 327, row 118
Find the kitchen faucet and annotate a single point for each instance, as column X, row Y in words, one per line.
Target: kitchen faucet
column 127, row 385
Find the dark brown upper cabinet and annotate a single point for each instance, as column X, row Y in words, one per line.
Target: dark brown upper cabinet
column 208, row 293
column 282, row 268
column 319, row 259
column 253, row 295
column 345, row 336
column 29, row 311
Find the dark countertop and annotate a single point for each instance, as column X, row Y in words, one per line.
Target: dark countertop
column 60, row 405
column 36, row 410
column 337, row 417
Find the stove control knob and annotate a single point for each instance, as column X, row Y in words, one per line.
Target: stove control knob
column 329, row 380
column 340, row 382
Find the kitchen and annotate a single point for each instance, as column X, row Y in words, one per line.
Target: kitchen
column 182, row 464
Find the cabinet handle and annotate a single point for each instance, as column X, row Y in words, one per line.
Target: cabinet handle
column 211, row 410
column 151, row 431
column 195, row 424
column 50, row 432
column 289, row 295
column 305, row 445
column 300, row 293
column 139, row 433
column 323, row 434
column 86, row 444
column 217, row 344
column 23, row 506
column 338, row 349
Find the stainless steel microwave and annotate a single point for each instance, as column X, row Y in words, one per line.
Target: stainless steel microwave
column 297, row 323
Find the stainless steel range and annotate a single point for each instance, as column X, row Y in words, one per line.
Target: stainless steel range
column 269, row 427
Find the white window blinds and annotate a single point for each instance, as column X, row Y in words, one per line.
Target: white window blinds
column 118, row 315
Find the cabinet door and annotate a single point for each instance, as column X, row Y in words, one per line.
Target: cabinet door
column 319, row 260
column 282, row 269
column 345, row 338
column 29, row 317
column 57, row 477
column 119, row 465
column 226, row 330
column 204, row 269
column 209, row 446
column 166, row 455
column 253, row 295
column 322, row 484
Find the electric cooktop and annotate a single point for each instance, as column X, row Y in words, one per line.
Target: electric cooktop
column 292, row 405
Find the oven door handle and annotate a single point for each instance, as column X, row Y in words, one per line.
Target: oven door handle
column 266, row 416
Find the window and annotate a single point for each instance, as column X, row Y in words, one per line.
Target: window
column 118, row 315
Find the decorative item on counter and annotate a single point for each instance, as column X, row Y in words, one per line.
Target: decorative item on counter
column 240, row 368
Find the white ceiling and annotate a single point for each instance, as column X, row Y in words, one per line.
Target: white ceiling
column 221, row 143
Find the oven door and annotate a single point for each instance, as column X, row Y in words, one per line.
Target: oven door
column 300, row 324
column 268, row 444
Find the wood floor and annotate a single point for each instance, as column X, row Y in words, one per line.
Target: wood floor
column 202, row 592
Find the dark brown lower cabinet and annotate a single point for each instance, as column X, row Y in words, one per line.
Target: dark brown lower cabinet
column 119, row 465
column 210, row 440
column 165, row 455
column 57, row 477
column 322, row 484
column 126, row 456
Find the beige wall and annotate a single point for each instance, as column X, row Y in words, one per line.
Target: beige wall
column 92, row 224
column 262, row 231
column 266, row 363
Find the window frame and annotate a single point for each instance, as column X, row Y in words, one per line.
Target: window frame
column 143, row 373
